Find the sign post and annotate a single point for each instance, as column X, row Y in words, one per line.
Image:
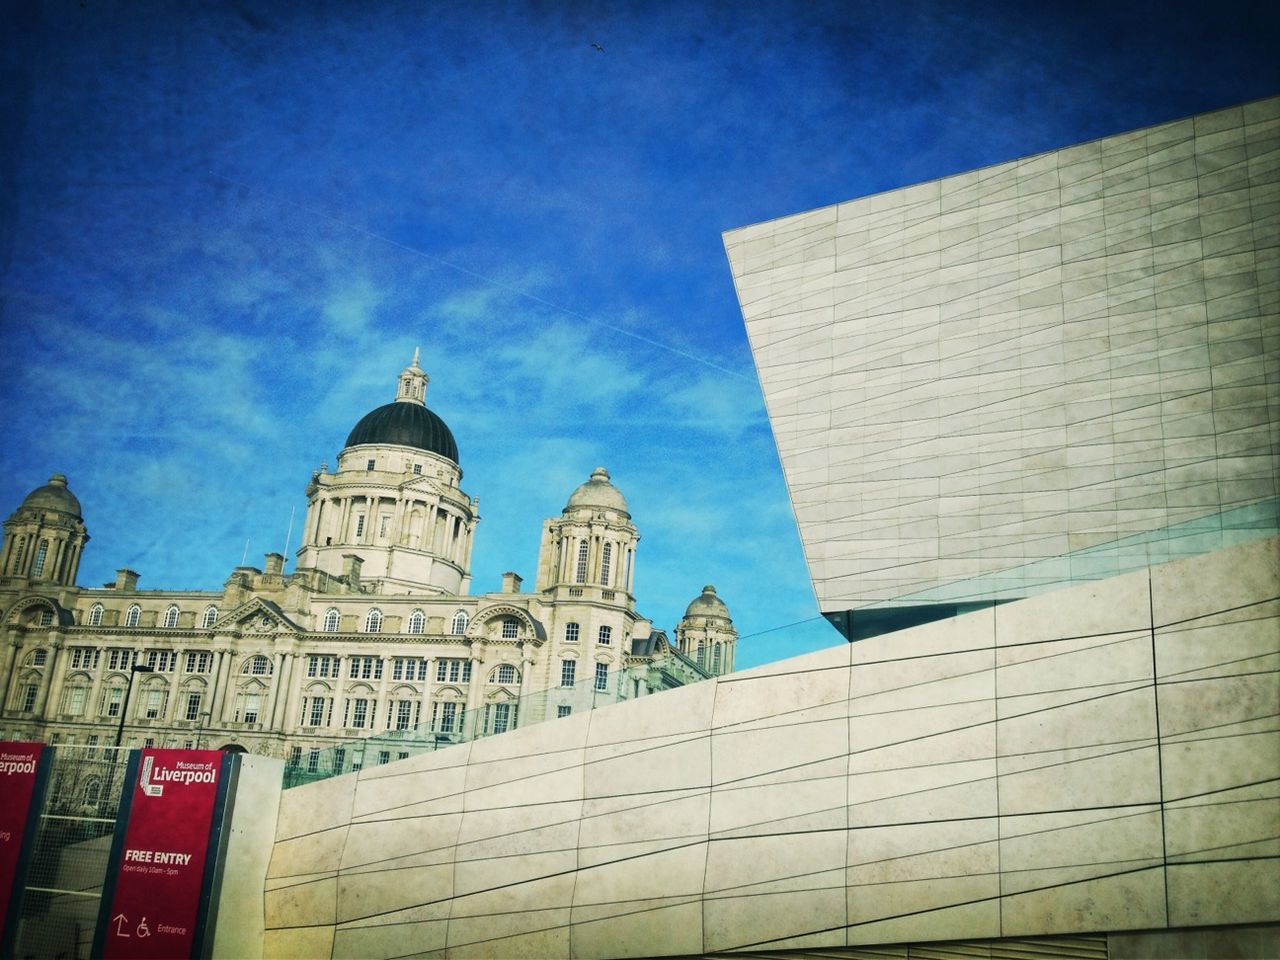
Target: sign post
column 164, row 857
column 23, row 772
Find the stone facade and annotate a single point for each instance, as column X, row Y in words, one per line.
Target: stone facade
column 374, row 632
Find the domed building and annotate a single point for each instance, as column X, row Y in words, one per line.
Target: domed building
column 373, row 648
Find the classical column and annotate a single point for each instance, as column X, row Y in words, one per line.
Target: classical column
column 221, row 680
column 51, row 682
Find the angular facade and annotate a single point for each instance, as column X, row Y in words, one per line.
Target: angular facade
column 1050, row 370
column 375, row 634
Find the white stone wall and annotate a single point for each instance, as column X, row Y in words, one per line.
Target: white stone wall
column 972, row 379
column 1099, row 758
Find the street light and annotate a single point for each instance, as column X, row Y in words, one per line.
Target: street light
column 124, row 710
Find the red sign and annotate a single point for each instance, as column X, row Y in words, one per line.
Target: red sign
column 155, row 909
column 18, row 765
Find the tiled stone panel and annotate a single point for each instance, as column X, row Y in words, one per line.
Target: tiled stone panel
column 1104, row 757
column 971, row 378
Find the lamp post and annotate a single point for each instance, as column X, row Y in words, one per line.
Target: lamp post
column 124, row 710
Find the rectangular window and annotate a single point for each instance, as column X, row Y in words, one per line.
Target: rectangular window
column 339, row 759
column 92, row 743
column 360, row 525
column 113, row 698
column 359, row 712
column 605, row 637
column 571, row 633
column 198, row 662
column 568, row 668
column 444, row 717
column 453, row 671
column 417, row 469
column 384, row 756
column 84, row 658
column 248, row 706
column 155, row 704
column 75, row 700
column 580, row 575
column 563, row 710
column 369, row 465
column 404, row 714
column 365, row 668
column 383, row 523
column 192, row 711
column 161, row 661
column 315, row 713
column 602, row 676
column 501, row 717
column 119, row 659
column 324, row 667
column 295, row 756
column 313, row 761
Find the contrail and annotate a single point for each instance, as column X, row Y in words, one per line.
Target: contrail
column 514, row 291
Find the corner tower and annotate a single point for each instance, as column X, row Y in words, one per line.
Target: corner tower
column 45, row 536
column 392, row 517
column 706, row 633
column 589, row 550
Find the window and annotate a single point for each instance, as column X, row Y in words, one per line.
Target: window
column 501, row 716
column 92, row 790
column 317, row 711
column 417, row 622
column 198, row 661
column 313, row 761
column 369, row 465
column 17, row 556
column 95, row 615
column 459, row 625
column 373, row 621
column 133, row 616
column 258, row 666
column 571, row 633
column 28, row 700
column 331, row 621
column 567, row 670
column 84, row 658
column 357, row 712
column 112, row 698
column 92, row 743
column 365, row 668
column 384, row 522
column 602, row 676
column 46, row 618
column 360, row 525
column 339, row 759
column 563, row 710
column 162, row 661
column 605, row 559
column 384, row 756
column 406, row 668
column 605, row 637
column 40, row 658
column 580, row 575
column 510, row 629
column 417, row 468
column 210, row 615
column 153, row 706
column 171, row 617
column 506, row 674
column 192, row 710
column 715, row 658
column 295, row 756
column 446, row 717
column 37, row 564
column 322, row 666
column 75, row 700
column 403, row 714
column 453, row 671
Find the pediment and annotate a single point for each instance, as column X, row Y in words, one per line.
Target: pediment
column 257, row 616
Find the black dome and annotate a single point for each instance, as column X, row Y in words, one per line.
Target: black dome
column 405, row 425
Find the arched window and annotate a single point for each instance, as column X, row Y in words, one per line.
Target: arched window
column 171, row 616
column 331, row 621
column 210, row 615
column 92, row 790
column 715, row 659
column 510, row 628
column 417, row 621
column 258, row 666
column 571, row 632
column 605, row 637
column 605, row 559
column 580, row 575
column 133, row 616
column 37, row 564
column 95, row 615
column 373, row 621
column 506, row 673
column 459, row 625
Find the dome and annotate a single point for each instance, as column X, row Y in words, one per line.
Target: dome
column 54, row 495
column 405, row 425
column 598, row 492
column 707, row 605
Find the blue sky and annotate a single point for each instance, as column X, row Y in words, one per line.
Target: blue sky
column 225, row 227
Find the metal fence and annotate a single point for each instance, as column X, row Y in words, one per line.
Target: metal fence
column 73, row 841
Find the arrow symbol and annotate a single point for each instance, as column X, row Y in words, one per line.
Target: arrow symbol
column 121, row 922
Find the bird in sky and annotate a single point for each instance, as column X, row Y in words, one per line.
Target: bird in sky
column 597, row 46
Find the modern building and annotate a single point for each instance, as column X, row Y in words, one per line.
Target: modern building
column 1051, row 370
column 374, row 634
column 1029, row 421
